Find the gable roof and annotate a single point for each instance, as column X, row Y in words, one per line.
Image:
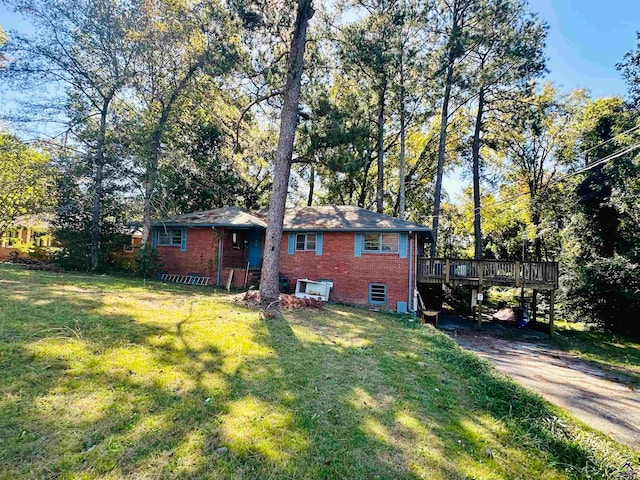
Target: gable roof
column 325, row 218
column 345, row 217
column 219, row 217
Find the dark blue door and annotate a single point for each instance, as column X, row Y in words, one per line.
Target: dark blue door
column 255, row 248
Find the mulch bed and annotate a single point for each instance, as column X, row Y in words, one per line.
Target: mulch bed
column 33, row 264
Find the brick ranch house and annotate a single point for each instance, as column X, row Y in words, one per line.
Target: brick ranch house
column 29, row 232
column 370, row 258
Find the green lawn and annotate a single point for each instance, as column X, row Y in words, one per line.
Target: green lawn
column 616, row 353
column 107, row 378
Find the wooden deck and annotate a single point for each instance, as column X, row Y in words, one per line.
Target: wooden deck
column 538, row 275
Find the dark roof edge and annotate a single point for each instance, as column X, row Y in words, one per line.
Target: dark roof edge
column 182, row 224
column 291, row 229
column 361, row 229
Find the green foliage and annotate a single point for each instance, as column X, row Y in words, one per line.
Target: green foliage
column 72, row 229
column 26, row 181
column 630, row 67
column 203, row 172
column 602, row 282
column 606, row 292
column 147, row 261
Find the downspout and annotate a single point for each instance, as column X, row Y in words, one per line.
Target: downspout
column 410, row 241
column 218, row 276
column 415, row 276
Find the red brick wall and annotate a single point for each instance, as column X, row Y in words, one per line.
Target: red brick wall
column 7, row 253
column 351, row 275
column 201, row 256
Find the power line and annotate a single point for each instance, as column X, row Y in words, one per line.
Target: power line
column 610, row 140
column 595, row 163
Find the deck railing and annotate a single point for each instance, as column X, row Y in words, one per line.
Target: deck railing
column 488, row 272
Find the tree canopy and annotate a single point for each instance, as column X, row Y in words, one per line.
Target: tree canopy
column 27, row 182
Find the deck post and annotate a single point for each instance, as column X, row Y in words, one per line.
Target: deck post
column 551, row 312
column 534, row 306
column 446, row 270
column 480, row 308
column 516, row 273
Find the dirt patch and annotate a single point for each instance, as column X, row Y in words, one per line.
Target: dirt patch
column 604, row 400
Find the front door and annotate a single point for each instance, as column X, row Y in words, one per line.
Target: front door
column 235, row 252
column 255, row 248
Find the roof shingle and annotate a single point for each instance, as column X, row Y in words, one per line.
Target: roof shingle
column 332, row 217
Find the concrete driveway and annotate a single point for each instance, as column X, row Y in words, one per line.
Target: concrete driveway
column 600, row 399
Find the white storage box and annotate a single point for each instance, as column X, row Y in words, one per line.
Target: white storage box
column 320, row 290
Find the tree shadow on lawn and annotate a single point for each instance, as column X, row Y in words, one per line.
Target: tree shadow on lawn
column 456, row 404
column 327, row 395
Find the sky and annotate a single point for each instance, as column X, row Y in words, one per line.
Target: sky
column 586, row 39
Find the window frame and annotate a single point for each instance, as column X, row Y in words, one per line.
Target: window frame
column 306, row 242
column 170, row 232
column 13, row 237
column 381, row 242
column 371, row 293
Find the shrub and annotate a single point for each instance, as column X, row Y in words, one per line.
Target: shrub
column 147, row 261
column 606, row 292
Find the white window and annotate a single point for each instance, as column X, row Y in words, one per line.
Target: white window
column 40, row 239
column 381, row 242
column 13, row 237
column 305, row 242
column 170, row 238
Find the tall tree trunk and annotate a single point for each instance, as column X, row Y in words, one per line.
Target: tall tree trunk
column 403, row 140
column 382, row 92
column 269, row 280
column 537, row 256
column 452, row 53
column 151, row 176
column 442, row 147
column 537, row 241
column 312, row 184
column 98, row 185
column 475, row 153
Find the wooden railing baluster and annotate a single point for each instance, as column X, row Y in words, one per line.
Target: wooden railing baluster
column 542, row 275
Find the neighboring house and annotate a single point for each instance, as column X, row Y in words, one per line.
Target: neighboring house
column 29, row 232
column 370, row 258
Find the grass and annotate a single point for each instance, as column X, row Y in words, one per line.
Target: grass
column 616, row 353
column 108, row 378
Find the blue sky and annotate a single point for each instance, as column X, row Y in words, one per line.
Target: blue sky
column 586, row 40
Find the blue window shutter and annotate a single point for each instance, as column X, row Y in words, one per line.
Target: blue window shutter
column 292, row 243
column 359, row 244
column 318, row 243
column 154, row 238
column 183, row 245
column 402, row 246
